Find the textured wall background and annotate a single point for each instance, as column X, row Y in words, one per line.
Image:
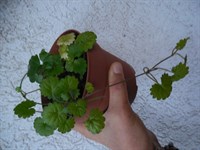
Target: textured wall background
column 140, row 32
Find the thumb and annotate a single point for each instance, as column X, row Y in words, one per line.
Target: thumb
column 118, row 89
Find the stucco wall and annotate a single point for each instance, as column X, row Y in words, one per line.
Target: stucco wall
column 139, row 32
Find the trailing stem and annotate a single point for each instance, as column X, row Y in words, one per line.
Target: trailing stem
column 146, row 71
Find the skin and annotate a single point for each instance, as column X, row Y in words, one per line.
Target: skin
column 123, row 130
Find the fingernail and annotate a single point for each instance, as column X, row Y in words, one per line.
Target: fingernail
column 117, row 68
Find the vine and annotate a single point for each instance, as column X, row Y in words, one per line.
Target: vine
column 67, row 101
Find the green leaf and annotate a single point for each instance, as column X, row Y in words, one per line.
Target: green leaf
column 82, row 44
column 86, row 40
column 71, row 82
column 52, row 65
column 180, row 71
column 89, row 87
column 95, row 122
column 66, row 126
column 43, row 128
column 66, row 39
column 18, row 89
column 60, row 90
column 61, row 93
column 77, row 108
column 77, row 66
column 74, row 51
column 68, row 88
column 181, row 44
column 43, row 55
column 54, row 115
column 24, row 109
column 33, row 69
column 163, row 90
column 39, row 78
column 166, row 80
column 160, row 92
column 48, row 86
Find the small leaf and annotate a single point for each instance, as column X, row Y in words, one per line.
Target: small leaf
column 18, row 89
column 52, row 65
column 77, row 66
column 163, row 90
column 160, row 92
column 43, row 128
column 180, row 71
column 181, row 44
column 60, row 90
column 95, row 122
column 166, row 80
column 69, row 84
column 71, row 81
column 38, row 78
column 86, row 40
column 48, row 86
column 33, row 68
column 66, row 126
column 66, row 39
column 75, row 51
column 53, row 114
column 78, row 108
column 43, row 55
column 89, row 87
column 63, row 51
column 82, row 44
column 24, row 109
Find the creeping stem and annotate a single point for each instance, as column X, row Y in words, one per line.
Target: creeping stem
column 146, row 71
column 23, row 93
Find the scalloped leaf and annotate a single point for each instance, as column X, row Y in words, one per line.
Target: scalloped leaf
column 63, row 51
column 18, row 89
column 166, row 80
column 66, row 39
column 24, row 109
column 180, row 71
column 48, row 86
column 52, row 65
column 181, row 44
column 60, row 90
column 68, row 88
column 33, row 69
column 160, row 92
column 66, row 126
column 86, row 40
column 43, row 55
column 42, row 127
column 163, row 90
column 95, row 122
column 54, row 115
column 75, row 51
column 78, row 108
column 89, row 87
column 77, row 66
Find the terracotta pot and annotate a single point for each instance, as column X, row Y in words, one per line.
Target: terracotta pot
column 99, row 62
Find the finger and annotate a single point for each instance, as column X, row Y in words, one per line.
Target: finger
column 118, row 92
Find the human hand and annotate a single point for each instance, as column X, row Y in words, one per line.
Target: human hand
column 123, row 130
